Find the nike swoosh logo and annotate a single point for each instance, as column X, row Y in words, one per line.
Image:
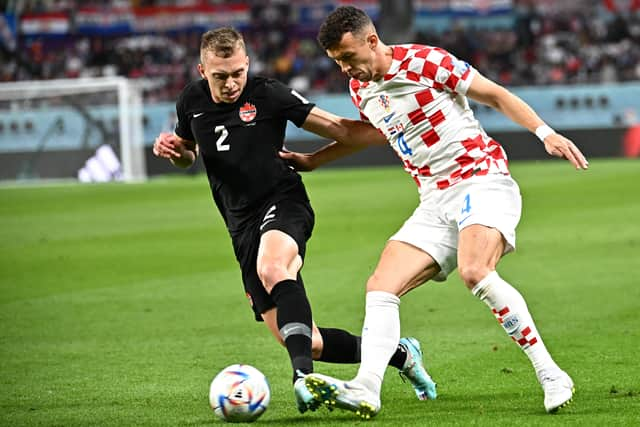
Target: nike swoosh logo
column 463, row 219
column 197, row 115
column 389, row 117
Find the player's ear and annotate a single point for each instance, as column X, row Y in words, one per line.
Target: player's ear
column 201, row 71
column 372, row 41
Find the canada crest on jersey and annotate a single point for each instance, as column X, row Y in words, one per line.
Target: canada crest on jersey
column 247, row 112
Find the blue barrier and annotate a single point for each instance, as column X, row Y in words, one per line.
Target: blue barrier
column 563, row 107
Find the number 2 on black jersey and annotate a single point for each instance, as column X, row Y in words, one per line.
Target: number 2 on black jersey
column 224, row 133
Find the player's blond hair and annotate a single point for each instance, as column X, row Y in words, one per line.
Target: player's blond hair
column 223, row 42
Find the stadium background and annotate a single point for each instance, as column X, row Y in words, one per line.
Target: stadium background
column 577, row 63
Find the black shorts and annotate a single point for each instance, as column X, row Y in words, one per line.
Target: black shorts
column 292, row 215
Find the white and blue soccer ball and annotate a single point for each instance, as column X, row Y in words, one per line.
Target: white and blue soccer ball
column 239, row 393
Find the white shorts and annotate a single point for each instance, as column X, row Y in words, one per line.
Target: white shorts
column 490, row 200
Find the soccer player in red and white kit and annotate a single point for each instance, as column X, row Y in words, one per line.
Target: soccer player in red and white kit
column 416, row 96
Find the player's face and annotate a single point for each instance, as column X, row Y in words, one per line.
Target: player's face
column 227, row 77
column 355, row 54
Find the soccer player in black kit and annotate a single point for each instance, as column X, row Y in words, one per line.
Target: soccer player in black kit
column 236, row 123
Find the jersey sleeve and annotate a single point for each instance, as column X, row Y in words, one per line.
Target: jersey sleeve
column 183, row 123
column 289, row 103
column 445, row 70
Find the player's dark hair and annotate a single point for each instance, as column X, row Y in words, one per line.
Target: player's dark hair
column 224, row 42
column 345, row 19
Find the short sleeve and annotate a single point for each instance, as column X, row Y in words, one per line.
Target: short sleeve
column 445, row 70
column 183, row 123
column 289, row 103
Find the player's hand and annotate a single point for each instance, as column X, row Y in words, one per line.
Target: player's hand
column 168, row 146
column 559, row 146
column 300, row 161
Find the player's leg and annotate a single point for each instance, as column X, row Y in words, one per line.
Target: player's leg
column 282, row 247
column 480, row 248
column 334, row 345
column 381, row 329
column 278, row 263
column 277, row 254
column 424, row 248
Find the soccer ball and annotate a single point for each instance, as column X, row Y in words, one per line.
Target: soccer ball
column 239, row 393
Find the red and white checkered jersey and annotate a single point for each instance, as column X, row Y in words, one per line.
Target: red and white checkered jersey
column 421, row 107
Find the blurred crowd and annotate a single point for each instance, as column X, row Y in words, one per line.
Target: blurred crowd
column 543, row 47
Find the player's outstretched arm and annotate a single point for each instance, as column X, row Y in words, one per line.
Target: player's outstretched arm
column 305, row 162
column 180, row 152
column 350, row 136
column 489, row 93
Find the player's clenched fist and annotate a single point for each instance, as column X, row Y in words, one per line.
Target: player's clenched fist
column 166, row 145
column 179, row 151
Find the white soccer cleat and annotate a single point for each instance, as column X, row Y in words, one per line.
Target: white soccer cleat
column 558, row 389
column 350, row 396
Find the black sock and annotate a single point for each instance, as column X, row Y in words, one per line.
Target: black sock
column 339, row 346
column 294, row 322
column 399, row 357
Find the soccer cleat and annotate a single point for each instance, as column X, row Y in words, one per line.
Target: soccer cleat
column 304, row 398
column 350, row 396
column 558, row 389
column 414, row 371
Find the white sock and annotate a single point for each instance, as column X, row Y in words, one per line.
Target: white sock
column 512, row 313
column 380, row 337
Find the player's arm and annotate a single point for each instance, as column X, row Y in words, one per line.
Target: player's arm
column 181, row 152
column 499, row 98
column 350, row 136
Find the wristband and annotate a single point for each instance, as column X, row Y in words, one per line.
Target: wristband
column 544, row 131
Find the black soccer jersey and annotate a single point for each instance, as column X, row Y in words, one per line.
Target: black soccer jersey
column 239, row 142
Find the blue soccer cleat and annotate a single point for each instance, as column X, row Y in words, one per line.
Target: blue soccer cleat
column 414, row 371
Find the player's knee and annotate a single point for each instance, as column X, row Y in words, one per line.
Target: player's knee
column 377, row 282
column 271, row 273
column 472, row 273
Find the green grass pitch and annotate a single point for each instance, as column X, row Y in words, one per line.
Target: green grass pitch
column 119, row 303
